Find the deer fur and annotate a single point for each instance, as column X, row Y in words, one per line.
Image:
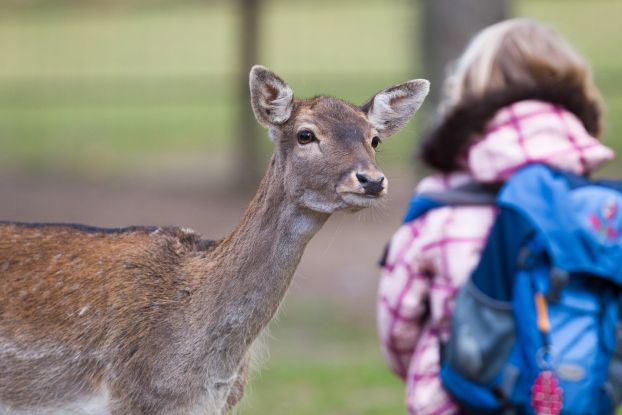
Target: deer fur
column 159, row 321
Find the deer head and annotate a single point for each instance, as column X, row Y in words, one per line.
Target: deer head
column 327, row 147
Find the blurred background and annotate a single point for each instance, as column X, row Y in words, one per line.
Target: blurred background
column 120, row 112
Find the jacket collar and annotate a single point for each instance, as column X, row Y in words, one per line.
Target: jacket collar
column 450, row 138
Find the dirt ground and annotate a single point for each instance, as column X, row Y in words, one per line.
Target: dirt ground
column 339, row 267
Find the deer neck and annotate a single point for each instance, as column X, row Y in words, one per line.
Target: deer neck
column 266, row 247
column 251, row 269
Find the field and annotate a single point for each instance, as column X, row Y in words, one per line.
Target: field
column 138, row 102
column 101, row 89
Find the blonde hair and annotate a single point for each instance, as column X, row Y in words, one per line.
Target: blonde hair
column 516, row 54
column 514, row 60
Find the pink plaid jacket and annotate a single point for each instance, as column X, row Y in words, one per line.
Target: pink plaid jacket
column 430, row 258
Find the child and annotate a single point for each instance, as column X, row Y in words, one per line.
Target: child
column 519, row 94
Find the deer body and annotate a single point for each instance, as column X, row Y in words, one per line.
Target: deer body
column 158, row 320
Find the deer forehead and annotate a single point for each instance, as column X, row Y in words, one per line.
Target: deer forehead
column 333, row 117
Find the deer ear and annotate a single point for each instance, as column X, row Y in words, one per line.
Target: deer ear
column 389, row 110
column 271, row 98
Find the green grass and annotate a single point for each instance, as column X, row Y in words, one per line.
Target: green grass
column 309, row 387
column 323, row 363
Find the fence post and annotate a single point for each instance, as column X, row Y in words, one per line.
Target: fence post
column 448, row 25
column 247, row 144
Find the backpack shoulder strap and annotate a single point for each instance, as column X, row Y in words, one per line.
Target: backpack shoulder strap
column 469, row 194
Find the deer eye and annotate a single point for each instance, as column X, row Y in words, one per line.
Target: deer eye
column 305, row 137
column 375, row 142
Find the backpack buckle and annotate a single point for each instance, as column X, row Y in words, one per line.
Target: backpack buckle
column 558, row 279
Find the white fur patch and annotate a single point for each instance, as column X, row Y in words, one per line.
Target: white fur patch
column 280, row 107
column 271, row 98
column 394, row 107
column 96, row 404
column 382, row 109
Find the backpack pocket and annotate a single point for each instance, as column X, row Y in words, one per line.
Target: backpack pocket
column 614, row 384
column 482, row 337
column 582, row 342
column 614, row 379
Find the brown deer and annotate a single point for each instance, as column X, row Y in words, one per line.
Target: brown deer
column 159, row 321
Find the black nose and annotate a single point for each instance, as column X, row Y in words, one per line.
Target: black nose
column 371, row 186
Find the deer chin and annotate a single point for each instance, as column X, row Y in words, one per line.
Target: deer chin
column 314, row 201
column 357, row 201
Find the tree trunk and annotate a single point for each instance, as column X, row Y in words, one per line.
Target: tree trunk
column 247, row 170
column 448, row 25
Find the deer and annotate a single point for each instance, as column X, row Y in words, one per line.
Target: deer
column 159, row 320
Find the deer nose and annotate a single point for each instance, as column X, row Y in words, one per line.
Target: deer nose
column 372, row 186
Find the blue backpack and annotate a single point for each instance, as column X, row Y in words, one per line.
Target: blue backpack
column 536, row 328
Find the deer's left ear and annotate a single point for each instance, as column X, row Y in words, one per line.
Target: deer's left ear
column 390, row 110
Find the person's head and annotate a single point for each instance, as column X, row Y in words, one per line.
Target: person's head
column 518, row 58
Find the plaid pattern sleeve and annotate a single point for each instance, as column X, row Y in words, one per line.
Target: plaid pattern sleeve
column 428, row 260
column 403, row 295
